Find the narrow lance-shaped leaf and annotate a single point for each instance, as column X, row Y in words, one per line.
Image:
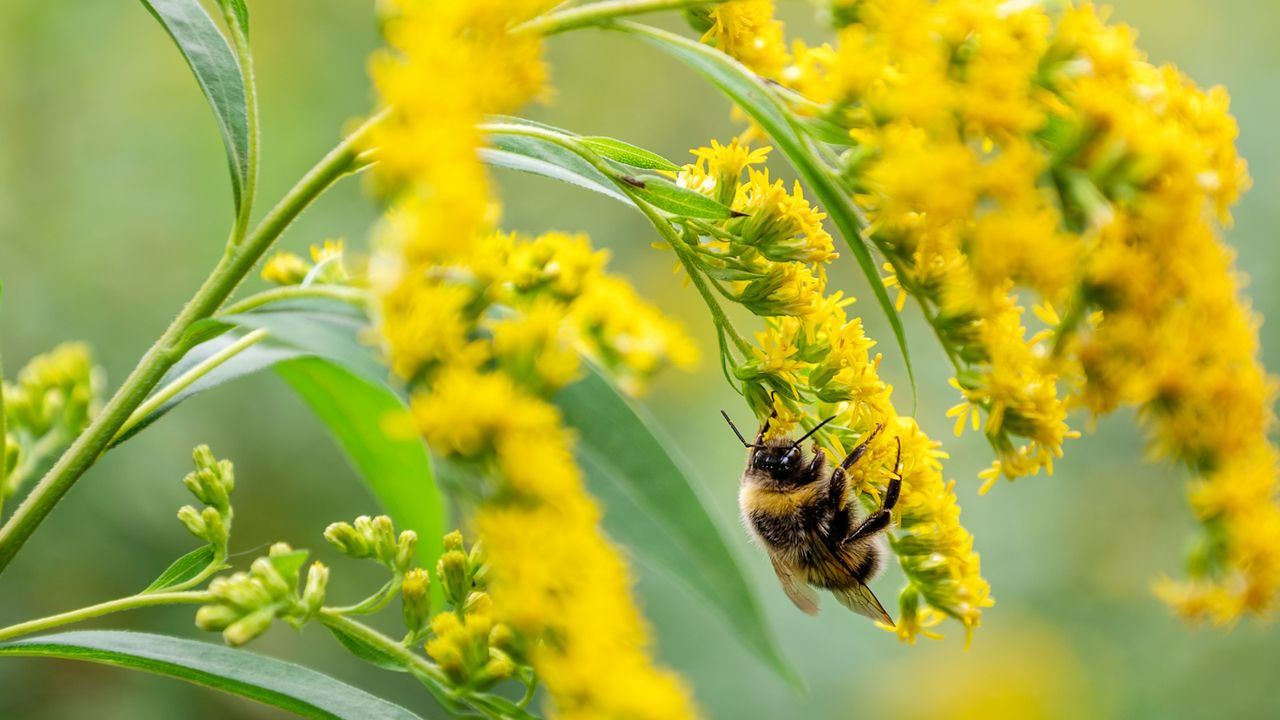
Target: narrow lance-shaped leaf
column 290, row 687
column 246, row 362
column 750, row 93
column 546, row 168
column 627, row 154
column 218, row 73
column 183, row 569
column 681, row 202
column 653, row 506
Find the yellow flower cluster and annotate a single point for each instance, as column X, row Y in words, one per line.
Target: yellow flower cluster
column 326, row 266
column 485, row 326
column 53, row 398
column 811, row 354
column 1010, row 157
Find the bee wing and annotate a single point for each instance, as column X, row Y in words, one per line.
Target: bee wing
column 861, row 600
column 798, row 590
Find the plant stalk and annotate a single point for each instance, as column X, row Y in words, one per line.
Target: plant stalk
column 106, row 608
column 601, row 12
column 231, row 269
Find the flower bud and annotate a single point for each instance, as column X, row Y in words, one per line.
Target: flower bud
column 241, row 591
column 216, row 530
column 249, row 627
column 452, row 571
column 193, row 521
column 479, row 565
column 404, row 551
column 383, row 539
column 453, row 541
column 266, row 573
column 314, row 592
column 347, row 539
column 203, row 458
column 415, row 597
column 478, row 603
column 227, row 474
column 446, row 647
column 216, row 617
column 500, row 667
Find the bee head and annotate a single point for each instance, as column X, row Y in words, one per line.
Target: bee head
column 777, row 461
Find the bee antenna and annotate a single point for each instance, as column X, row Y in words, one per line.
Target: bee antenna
column 737, row 432
column 817, row 427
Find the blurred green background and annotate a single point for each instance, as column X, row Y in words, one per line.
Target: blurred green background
column 114, row 203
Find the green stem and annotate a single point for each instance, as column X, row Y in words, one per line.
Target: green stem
column 332, row 618
column 4, row 445
column 231, row 269
column 668, row 233
column 186, row 379
column 356, row 297
column 106, row 608
column 374, row 602
column 601, row 12
column 245, row 56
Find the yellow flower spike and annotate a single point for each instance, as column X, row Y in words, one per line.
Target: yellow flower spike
column 479, row 387
column 746, row 31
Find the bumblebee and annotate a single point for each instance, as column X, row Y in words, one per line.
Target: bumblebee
column 796, row 508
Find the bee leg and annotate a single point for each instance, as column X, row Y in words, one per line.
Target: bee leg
column 880, row 519
column 857, row 453
column 875, row 522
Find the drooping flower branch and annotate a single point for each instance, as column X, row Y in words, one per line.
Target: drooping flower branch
column 1012, row 157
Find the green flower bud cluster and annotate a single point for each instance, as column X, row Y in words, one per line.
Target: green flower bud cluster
column 460, row 572
column 374, row 538
column 212, row 483
column 471, row 649
column 53, row 399
column 245, row 604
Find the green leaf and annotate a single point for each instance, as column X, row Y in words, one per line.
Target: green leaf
column 681, row 202
column 545, row 168
column 327, row 328
column 251, row 360
column 653, row 506
column 745, row 89
column 241, row 11
column 396, row 469
column 627, row 154
column 183, row 569
column 280, row 684
column 369, row 653
column 298, row 327
column 218, row 73
column 538, row 154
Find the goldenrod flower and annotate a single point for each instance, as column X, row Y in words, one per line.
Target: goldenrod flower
column 485, row 326
column 1010, row 156
column 746, row 30
column 812, row 361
